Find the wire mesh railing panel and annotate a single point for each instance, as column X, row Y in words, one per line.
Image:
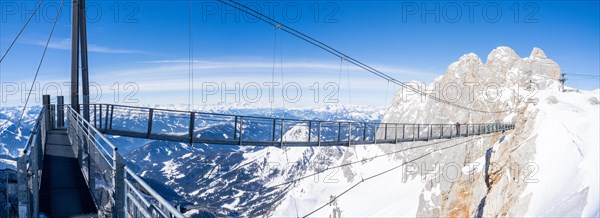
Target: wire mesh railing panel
column 257, row 129
column 30, row 167
column 329, row 132
column 143, row 201
column 95, row 158
column 214, row 126
column 170, row 123
column 356, row 132
column 103, row 166
column 293, row 131
column 128, row 119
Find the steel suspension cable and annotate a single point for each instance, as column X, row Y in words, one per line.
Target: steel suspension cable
column 390, row 170
column 349, row 86
column 273, row 70
column 41, row 61
column 387, row 91
column 335, row 52
column 191, row 59
column 582, row 75
column 21, row 31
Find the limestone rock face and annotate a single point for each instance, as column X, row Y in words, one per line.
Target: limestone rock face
column 479, row 176
column 537, row 53
column 500, row 84
column 498, row 90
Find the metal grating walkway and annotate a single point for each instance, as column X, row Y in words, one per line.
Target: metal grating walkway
column 63, row 192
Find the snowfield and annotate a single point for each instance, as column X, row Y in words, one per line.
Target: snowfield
column 567, row 138
column 547, row 167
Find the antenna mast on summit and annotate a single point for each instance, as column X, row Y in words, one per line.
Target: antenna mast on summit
column 79, row 41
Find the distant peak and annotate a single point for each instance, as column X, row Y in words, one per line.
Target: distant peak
column 537, row 53
column 503, row 53
column 470, row 57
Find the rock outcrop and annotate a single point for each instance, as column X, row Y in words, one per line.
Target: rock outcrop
column 499, row 90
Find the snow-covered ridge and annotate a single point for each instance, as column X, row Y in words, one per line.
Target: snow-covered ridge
column 547, row 166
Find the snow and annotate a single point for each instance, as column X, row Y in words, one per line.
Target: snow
column 564, row 135
column 560, row 130
column 170, row 171
column 147, row 158
column 567, row 155
column 389, row 190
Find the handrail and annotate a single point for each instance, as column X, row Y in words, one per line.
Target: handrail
column 123, row 191
column 129, row 193
column 29, row 167
column 250, row 130
column 174, row 212
column 257, row 117
column 35, row 130
column 91, row 127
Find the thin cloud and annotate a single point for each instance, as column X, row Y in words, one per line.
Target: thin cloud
column 65, row 44
column 181, row 65
column 163, row 75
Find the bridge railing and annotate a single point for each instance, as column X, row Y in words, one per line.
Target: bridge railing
column 143, row 201
column 99, row 161
column 216, row 128
column 30, row 165
column 117, row 191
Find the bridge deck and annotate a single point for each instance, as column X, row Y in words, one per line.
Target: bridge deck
column 63, row 192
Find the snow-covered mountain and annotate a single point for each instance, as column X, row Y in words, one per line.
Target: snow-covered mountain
column 12, row 136
column 547, row 166
column 220, row 180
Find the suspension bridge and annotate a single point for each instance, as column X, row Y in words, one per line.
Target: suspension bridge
column 70, row 168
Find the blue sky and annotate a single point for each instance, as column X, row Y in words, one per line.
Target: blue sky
column 140, row 49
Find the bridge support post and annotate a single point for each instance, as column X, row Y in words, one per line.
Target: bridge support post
column 375, row 134
column 282, row 132
column 90, row 167
column 385, row 132
column 118, row 198
column 339, row 132
column 60, row 110
column 24, row 195
column 100, row 117
column 319, row 134
column 429, row 132
column 106, row 117
column 364, row 132
column 112, row 112
column 273, row 132
column 403, row 131
column 413, row 135
column 309, row 130
column 46, row 103
column 150, row 118
column 95, row 118
column 192, row 124
column 235, row 126
column 349, row 133
column 282, row 128
column 241, row 131
column 396, row 133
